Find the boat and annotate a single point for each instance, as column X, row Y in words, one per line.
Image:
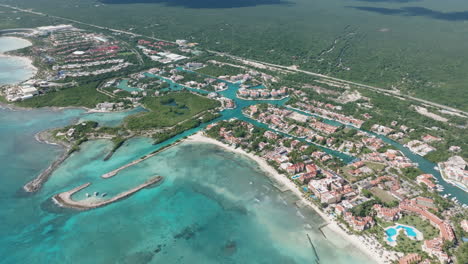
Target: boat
column 104, row 194
column 87, row 195
column 96, row 193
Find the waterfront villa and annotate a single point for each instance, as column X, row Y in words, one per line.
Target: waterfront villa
column 387, row 214
column 358, row 223
column 426, row 179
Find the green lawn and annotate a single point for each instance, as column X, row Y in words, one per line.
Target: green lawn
column 168, row 110
column 84, row 95
column 424, row 226
column 407, row 245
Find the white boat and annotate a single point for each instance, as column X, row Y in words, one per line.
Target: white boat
column 96, row 193
column 87, row 194
column 104, row 194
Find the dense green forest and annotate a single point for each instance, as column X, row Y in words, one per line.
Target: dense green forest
column 169, row 110
column 416, row 47
column 84, row 95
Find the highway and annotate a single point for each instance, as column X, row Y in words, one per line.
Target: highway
column 290, row 68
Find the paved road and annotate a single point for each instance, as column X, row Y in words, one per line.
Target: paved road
column 364, row 86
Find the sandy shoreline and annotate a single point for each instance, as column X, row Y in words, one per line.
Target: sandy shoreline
column 13, row 107
column 331, row 223
column 26, row 60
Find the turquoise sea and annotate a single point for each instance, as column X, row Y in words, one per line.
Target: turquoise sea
column 14, row 69
column 213, row 206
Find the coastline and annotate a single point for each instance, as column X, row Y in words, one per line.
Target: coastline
column 13, row 107
column 331, row 224
column 29, row 61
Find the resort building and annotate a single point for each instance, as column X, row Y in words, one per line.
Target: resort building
column 455, row 169
column 434, row 249
column 446, row 231
column 358, row 223
column 387, row 214
column 296, row 168
column 426, row 179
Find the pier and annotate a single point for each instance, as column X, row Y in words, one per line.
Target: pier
column 64, row 199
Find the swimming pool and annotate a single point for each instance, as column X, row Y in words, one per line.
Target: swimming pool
column 393, row 231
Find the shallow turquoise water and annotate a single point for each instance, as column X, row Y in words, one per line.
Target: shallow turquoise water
column 12, row 43
column 213, row 206
column 124, row 86
column 13, row 69
column 111, row 119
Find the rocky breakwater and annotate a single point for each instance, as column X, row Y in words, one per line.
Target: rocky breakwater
column 46, row 137
column 64, row 199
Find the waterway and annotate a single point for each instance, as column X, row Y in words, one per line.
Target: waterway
column 425, row 165
column 231, row 93
column 14, row 69
column 124, row 86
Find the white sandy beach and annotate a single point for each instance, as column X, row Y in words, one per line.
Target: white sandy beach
column 26, row 61
column 367, row 247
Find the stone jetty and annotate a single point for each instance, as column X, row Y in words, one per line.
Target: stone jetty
column 64, row 199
